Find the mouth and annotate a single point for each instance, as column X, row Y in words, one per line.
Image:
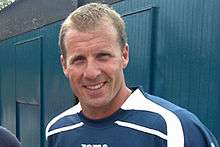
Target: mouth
column 95, row 86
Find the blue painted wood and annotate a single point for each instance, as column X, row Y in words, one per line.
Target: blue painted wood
column 28, row 90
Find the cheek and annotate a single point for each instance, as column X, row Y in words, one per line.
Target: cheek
column 73, row 77
column 114, row 71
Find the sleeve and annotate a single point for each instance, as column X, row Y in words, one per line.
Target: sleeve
column 7, row 139
column 196, row 133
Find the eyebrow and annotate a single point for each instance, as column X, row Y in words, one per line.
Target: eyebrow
column 104, row 50
column 75, row 57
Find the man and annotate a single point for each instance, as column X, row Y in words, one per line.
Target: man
column 94, row 53
column 7, row 139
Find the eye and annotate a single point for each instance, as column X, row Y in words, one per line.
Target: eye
column 77, row 60
column 103, row 56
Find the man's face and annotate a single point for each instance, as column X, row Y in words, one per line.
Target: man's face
column 94, row 66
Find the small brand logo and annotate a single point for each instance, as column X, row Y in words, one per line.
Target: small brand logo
column 94, row 145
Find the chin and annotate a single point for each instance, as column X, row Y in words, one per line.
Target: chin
column 98, row 102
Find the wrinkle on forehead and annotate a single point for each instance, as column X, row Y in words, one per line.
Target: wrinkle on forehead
column 103, row 24
column 86, row 41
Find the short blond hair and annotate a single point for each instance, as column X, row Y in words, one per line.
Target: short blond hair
column 89, row 16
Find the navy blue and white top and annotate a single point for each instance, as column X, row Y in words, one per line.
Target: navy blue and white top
column 142, row 121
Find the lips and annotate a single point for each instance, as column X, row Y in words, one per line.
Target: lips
column 95, row 86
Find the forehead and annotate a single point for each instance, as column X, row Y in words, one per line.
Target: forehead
column 104, row 32
column 104, row 25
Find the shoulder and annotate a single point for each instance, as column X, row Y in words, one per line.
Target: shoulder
column 65, row 119
column 194, row 128
column 164, row 117
column 191, row 126
column 180, row 123
column 7, row 138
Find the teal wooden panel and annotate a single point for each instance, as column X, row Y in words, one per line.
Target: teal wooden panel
column 28, row 125
column 1, row 106
column 139, row 21
column 28, row 70
column 28, row 91
column 8, row 104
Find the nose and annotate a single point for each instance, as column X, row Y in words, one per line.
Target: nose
column 92, row 70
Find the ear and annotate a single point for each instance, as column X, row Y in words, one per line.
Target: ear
column 125, row 56
column 64, row 65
